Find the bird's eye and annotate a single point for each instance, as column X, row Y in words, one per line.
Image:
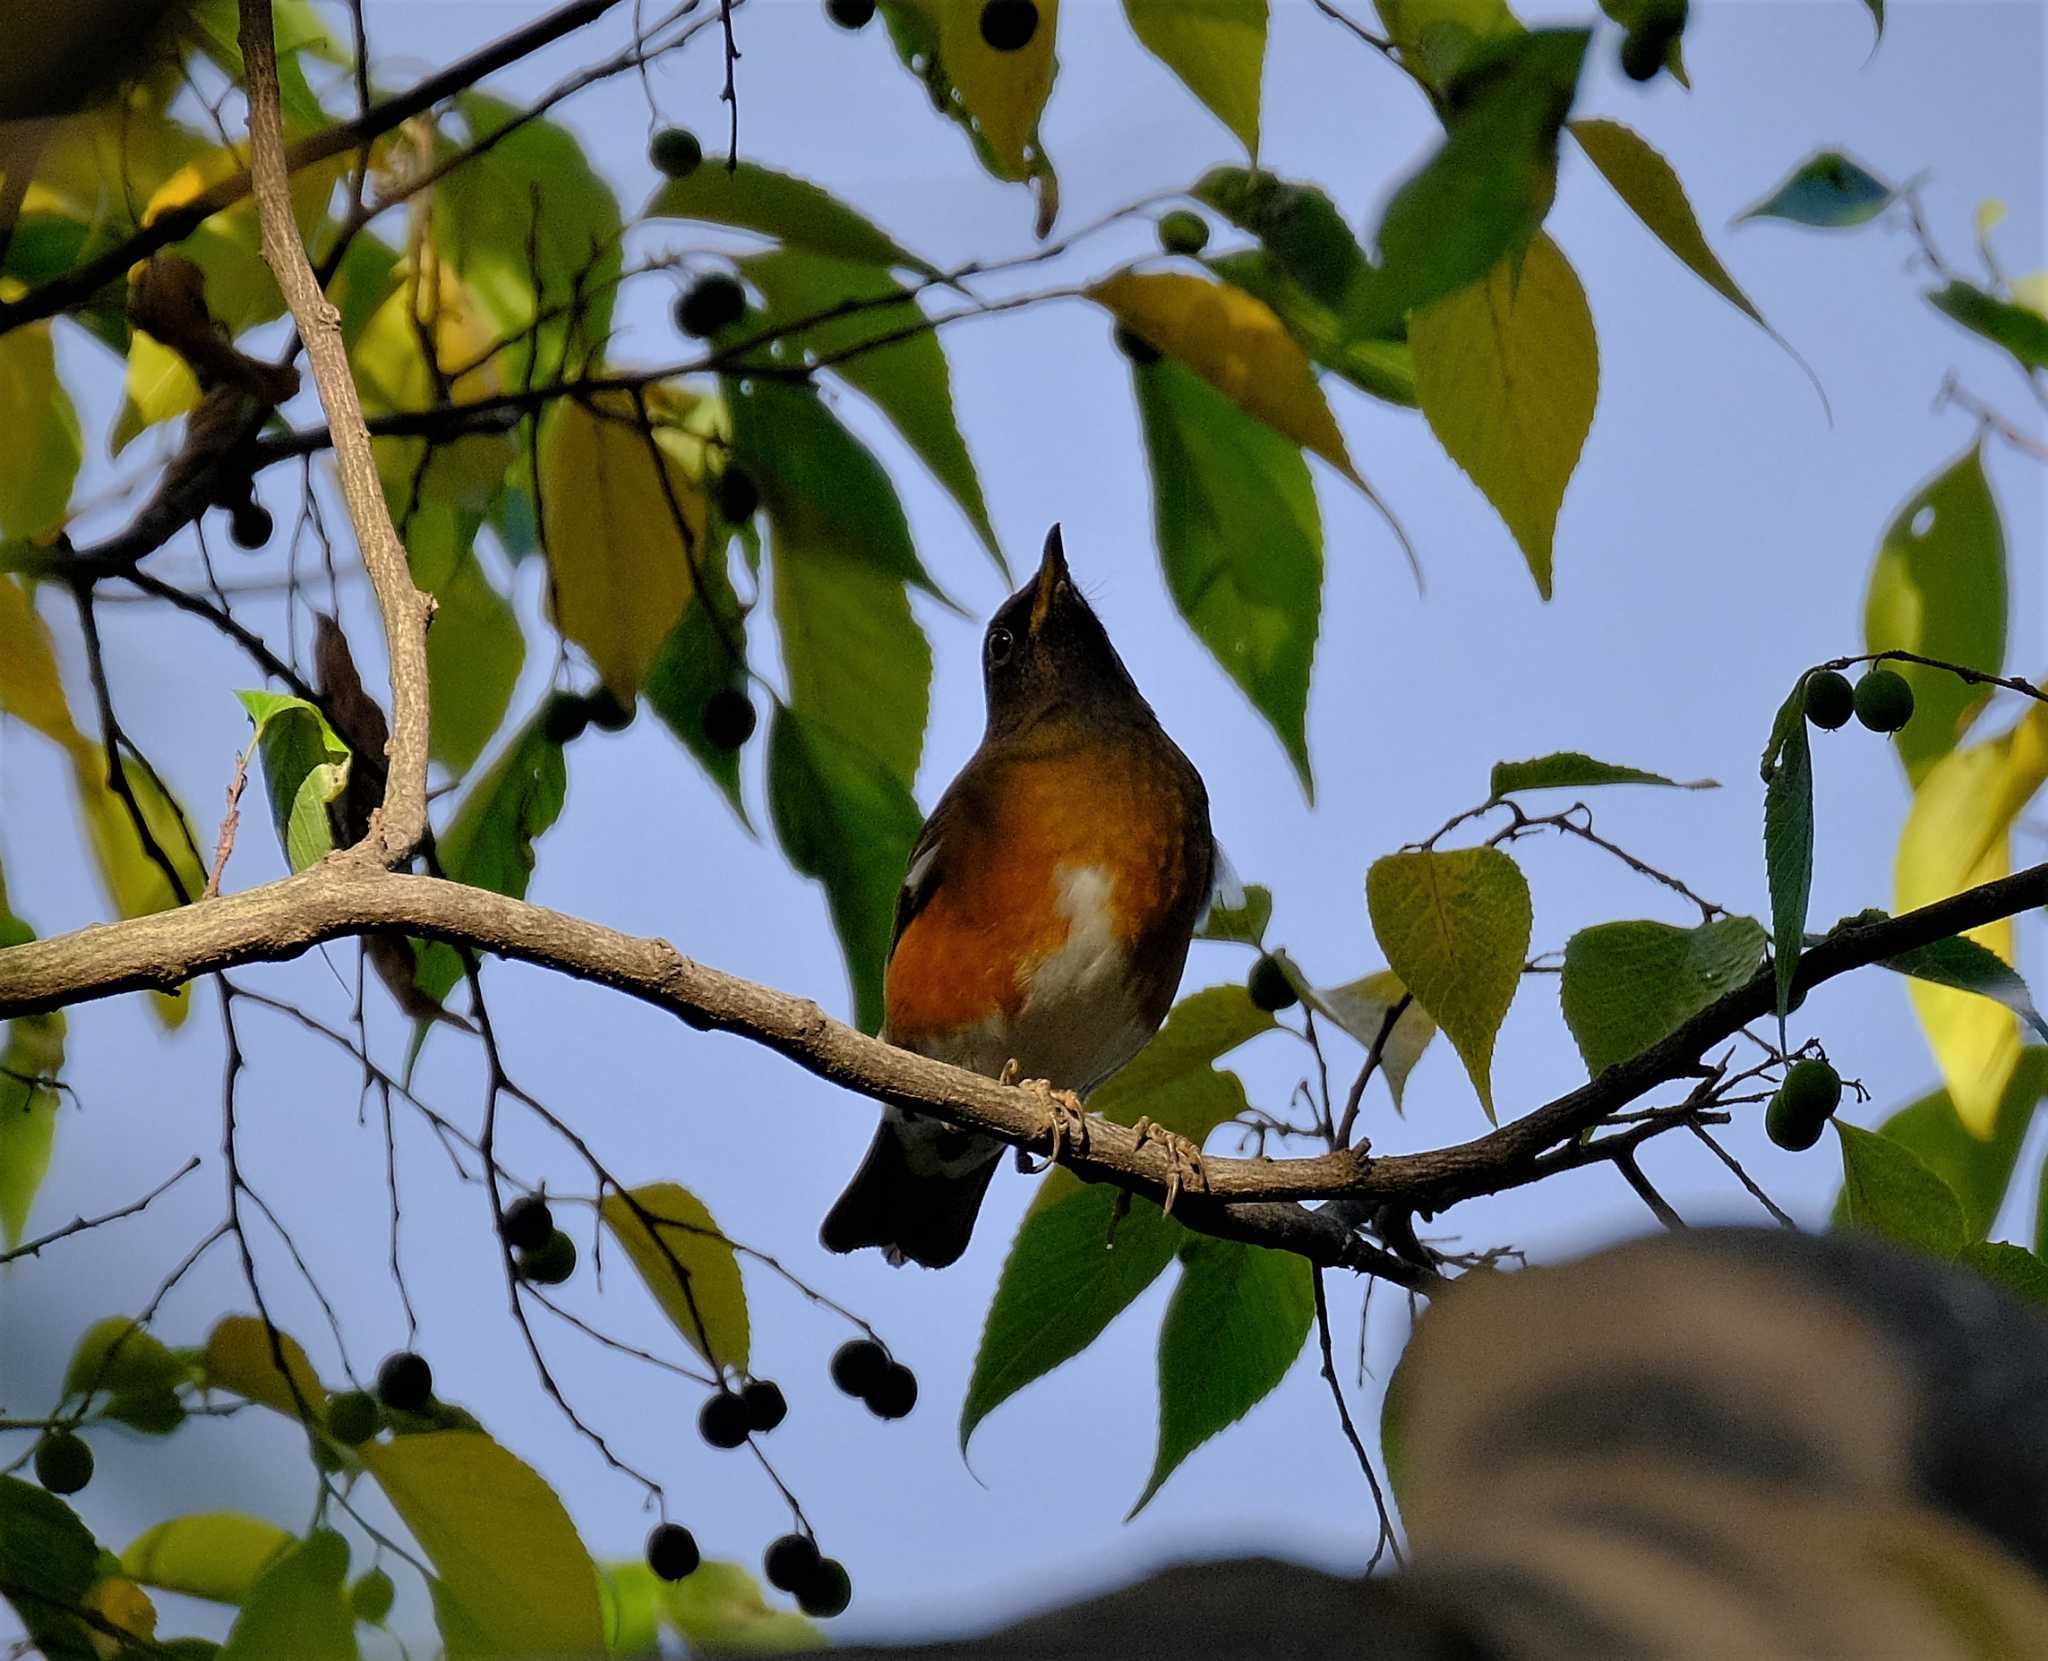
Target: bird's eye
column 1000, row 644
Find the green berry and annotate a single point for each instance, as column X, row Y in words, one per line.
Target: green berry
column 1642, row 55
column 728, row 718
column 1884, row 700
column 672, row 1551
column 63, row 1462
column 711, row 303
column 1135, row 346
column 353, row 1417
column 675, row 152
column 1182, row 232
column 551, row 1262
column 1829, row 700
column 894, row 1394
column 723, row 1423
column 1800, row 1110
column 1008, row 25
column 790, row 1562
column 405, row 1382
column 826, row 1591
column 850, row 14
column 858, row 1365
column 765, row 1404
column 1269, row 986
column 371, row 1597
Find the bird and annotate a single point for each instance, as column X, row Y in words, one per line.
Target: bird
column 1045, row 913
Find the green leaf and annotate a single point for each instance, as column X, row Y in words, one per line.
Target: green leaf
column 1216, row 47
column 535, row 232
column 210, row 1554
column 1574, row 770
column 305, row 766
column 490, row 843
column 2022, row 332
column 474, row 654
column 1300, row 226
column 1383, row 369
column 1961, row 962
column 1361, row 1008
column 1237, row 1321
column 906, row 379
column 1876, row 10
column 48, row 1562
column 779, row 205
column 1076, row 1263
column 1455, row 928
column 689, row 1266
column 298, row 1607
column 241, row 1357
column 1978, row 1171
column 1627, row 986
column 720, row 1610
column 28, row 1105
column 1438, row 38
column 845, row 817
column 1788, row 837
column 1508, row 371
column 995, row 96
column 514, row 1577
column 704, row 652
column 1887, row 1190
column 1240, row 540
column 116, row 1355
column 1938, row 588
column 2015, row 1268
column 1485, row 191
column 1241, row 915
column 1829, row 192
column 44, row 441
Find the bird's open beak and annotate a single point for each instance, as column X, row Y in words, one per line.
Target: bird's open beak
column 1052, row 571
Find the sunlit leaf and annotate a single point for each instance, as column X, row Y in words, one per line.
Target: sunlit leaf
column 514, row 1577
column 1455, row 928
column 1828, row 192
column 1240, row 540
column 1575, row 770
column 1788, row 837
column 689, row 1266
column 720, row 1610
column 44, row 443
column 1236, row 1322
column 792, row 210
column 29, row 1064
column 995, row 94
column 1216, row 47
column 241, row 1357
column 1361, row 1008
column 1508, row 371
column 1968, row 966
column 1887, row 1190
column 305, row 766
column 48, row 1562
column 1380, row 368
column 30, row 688
column 1627, row 986
column 210, row 1554
column 122, row 1605
column 1239, row 914
column 227, row 247
column 297, row 1607
column 114, row 1354
column 1938, row 588
column 160, row 386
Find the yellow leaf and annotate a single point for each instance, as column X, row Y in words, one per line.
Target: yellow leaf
column 1002, row 92
column 621, row 570
column 1508, row 371
column 122, row 1604
column 712, row 1315
column 42, row 435
column 1216, row 47
column 2032, row 292
column 1238, row 345
column 161, row 385
column 30, row 689
column 1958, row 835
column 210, row 1554
column 240, row 291
column 239, row 1359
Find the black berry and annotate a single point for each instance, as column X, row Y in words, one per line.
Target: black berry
column 63, row 1462
column 858, row 1365
column 790, row 1562
column 764, row 1403
column 1829, row 700
column 564, row 718
column 1182, row 232
column 1800, row 1110
column 728, row 718
column 723, row 1423
column 850, row 14
column 371, row 1597
column 675, row 152
column 1884, row 700
column 1135, row 346
column 1008, row 25
column 528, row 1222
column 738, row 495
column 894, row 1394
column 551, row 1262
column 250, row 525
column 1269, row 986
column 826, row 1591
column 672, row 1551
column 405, row 1382
column 353, row 1417
column 1642, row 55
column 712, row 303
column 609, row 711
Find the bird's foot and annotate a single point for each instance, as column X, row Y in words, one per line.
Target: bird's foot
column 1184, row 1168
column 1066, row 1120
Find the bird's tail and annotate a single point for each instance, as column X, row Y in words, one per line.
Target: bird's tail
column 917, row 1193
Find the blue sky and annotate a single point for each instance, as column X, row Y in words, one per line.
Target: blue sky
column 1715, row 541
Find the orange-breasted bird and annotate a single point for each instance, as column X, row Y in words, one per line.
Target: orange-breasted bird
column 1045, row 916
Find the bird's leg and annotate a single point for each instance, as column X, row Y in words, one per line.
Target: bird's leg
column 1184, row 1167
column 1066, row 1120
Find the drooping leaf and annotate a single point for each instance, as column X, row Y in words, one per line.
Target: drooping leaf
column 1574, row 770
column 44, row 442
column 48, row 1561
column 1300, row 226
column 1788, row 837
column 1240, row 914
column 490, row 843
column 996, row 95
column 474, row 654
column 1829, row 192
column 1361, row 1008
column 703, row 654
column 2021, row 331
column 514, row 1577
column 1216, row 47
column 1969, row 966
column 1382, row 369
column 1508, row 371
column 622, row 534
column 1626, row 986
column 845, row 817
column 1437, row 38
column 209, row 1554
column 1887, row 1190
column 297, row 1607
column 792, row 210
column 2015, row 1268
column 1235, row 1324
column 31, row 689
column 305, row 766
column 1487, row 188
column 1977, row 1172
column 906, row 378
column 1076, row 1262
column 1240, row 540
column 160, row 387
column 115, row 1355
column 1455, row 927
column 689, row 1266
column 720, row 1610
column 1938, row 588
column 241, row 1357
column 1957, row 835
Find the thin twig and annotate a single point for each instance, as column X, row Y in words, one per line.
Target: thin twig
column 78, row 1225
column 1386, row 1540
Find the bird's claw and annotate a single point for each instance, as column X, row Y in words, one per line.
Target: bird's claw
column 1184, row 1168
column 1066, row 1120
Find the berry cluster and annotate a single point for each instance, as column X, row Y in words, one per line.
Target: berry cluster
column 1803, row 1104
column 1882, row 700
column 863, row 1369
